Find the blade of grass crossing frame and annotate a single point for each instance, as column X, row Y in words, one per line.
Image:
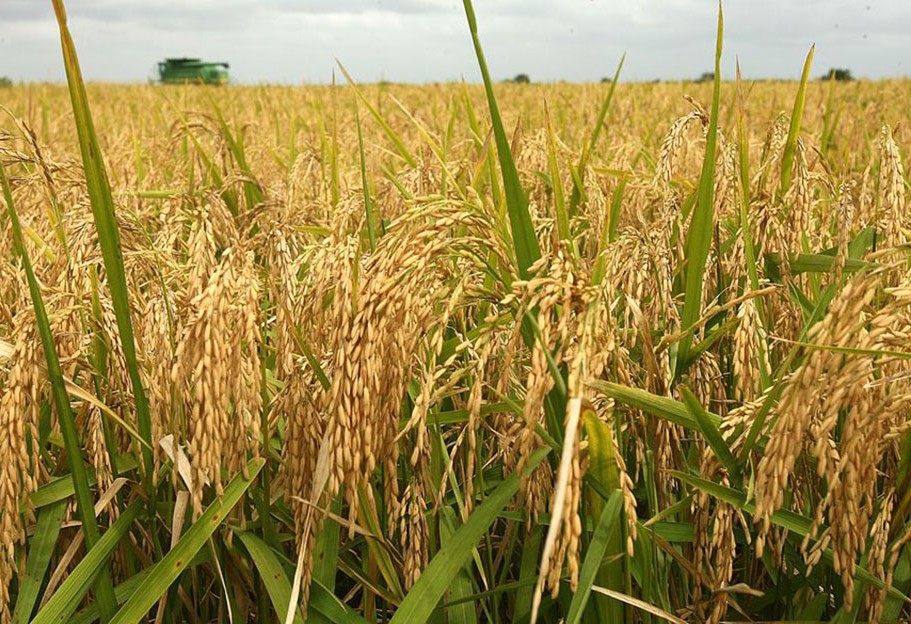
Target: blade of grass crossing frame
column 105, row 587
column 556, row 181
column 420, row 602
column 108, row 234
column 322, row 601
column 593, row 141
column 662, row 407
column 525, row 241
column 790, row 146
column 325, row 558
column 253, row 192
column 368, row 204
column 699, row 236
column 70, row 594
column 41, row 547
column 523, row 232
column 461, row 587
column 712, row 434
column 604, row 468
column 608, row 524
column 528, row 575
column 170, row 567
column 403, row 150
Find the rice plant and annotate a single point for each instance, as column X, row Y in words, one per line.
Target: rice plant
column 476, row 353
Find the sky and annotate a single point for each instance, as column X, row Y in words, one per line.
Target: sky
column 299, row 41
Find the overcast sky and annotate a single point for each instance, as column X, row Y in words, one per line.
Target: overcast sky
column 296, row 41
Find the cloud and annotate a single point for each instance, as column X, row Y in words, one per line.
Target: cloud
column 427, row 40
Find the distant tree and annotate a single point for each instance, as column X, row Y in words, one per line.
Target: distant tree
column 5, row 82
column 706, row 77
column 521, row 79
column 839, row 74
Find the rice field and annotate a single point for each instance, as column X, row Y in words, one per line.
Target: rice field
column 455, row 353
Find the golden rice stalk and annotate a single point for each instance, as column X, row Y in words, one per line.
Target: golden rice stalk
column 832, row 391
column 749, row 355
column 414, row 532
column 802, row 398
column 217, row 371
column 893, row 216
column 671, row 146
column 874, row 598
column 21, row 390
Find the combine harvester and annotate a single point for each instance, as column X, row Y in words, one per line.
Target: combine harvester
column 192, row 70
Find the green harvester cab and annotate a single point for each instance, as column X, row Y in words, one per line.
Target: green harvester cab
column 193, row 70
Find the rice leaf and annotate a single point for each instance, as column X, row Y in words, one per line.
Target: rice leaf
column 278, row 586
column 790, row 146
column 524, row 240
column 61, row 605
column 662, row 407
column 604, row 470
column 400, row 146
column 437, row 577
column 166, row 571
column 589, row 148
column 122, row 593
column 556, row 182
column 108, row 233
column 699, row 235
column 462, row 612
column 41, row 548
column 712, row 434
column 368, row 203
column 608, row 525
column 253, row 192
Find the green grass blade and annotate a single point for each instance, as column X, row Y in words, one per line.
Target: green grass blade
column 662, row 407
column 368, row 204
column 901, row 580
column 368, row 516
column 712, row 434
column 421, row 601
column 66, row 599
column 523, row 233
column 579, row 190
column 274, row 578
column 607, row 524
column 84, row 505
column 61, row 488
column 746, row 228
column 811, row 263
column 603, row 468
column 556, row 182
column 403, row 150
column 790, row 146
column 123, row 593
column 699, row 236
column 108, row 234
column 253, row 192
column 325, row 550
column 41, row 547
column 279, row 587
column 168, row 569
column 463, row 612
column 528, row 574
